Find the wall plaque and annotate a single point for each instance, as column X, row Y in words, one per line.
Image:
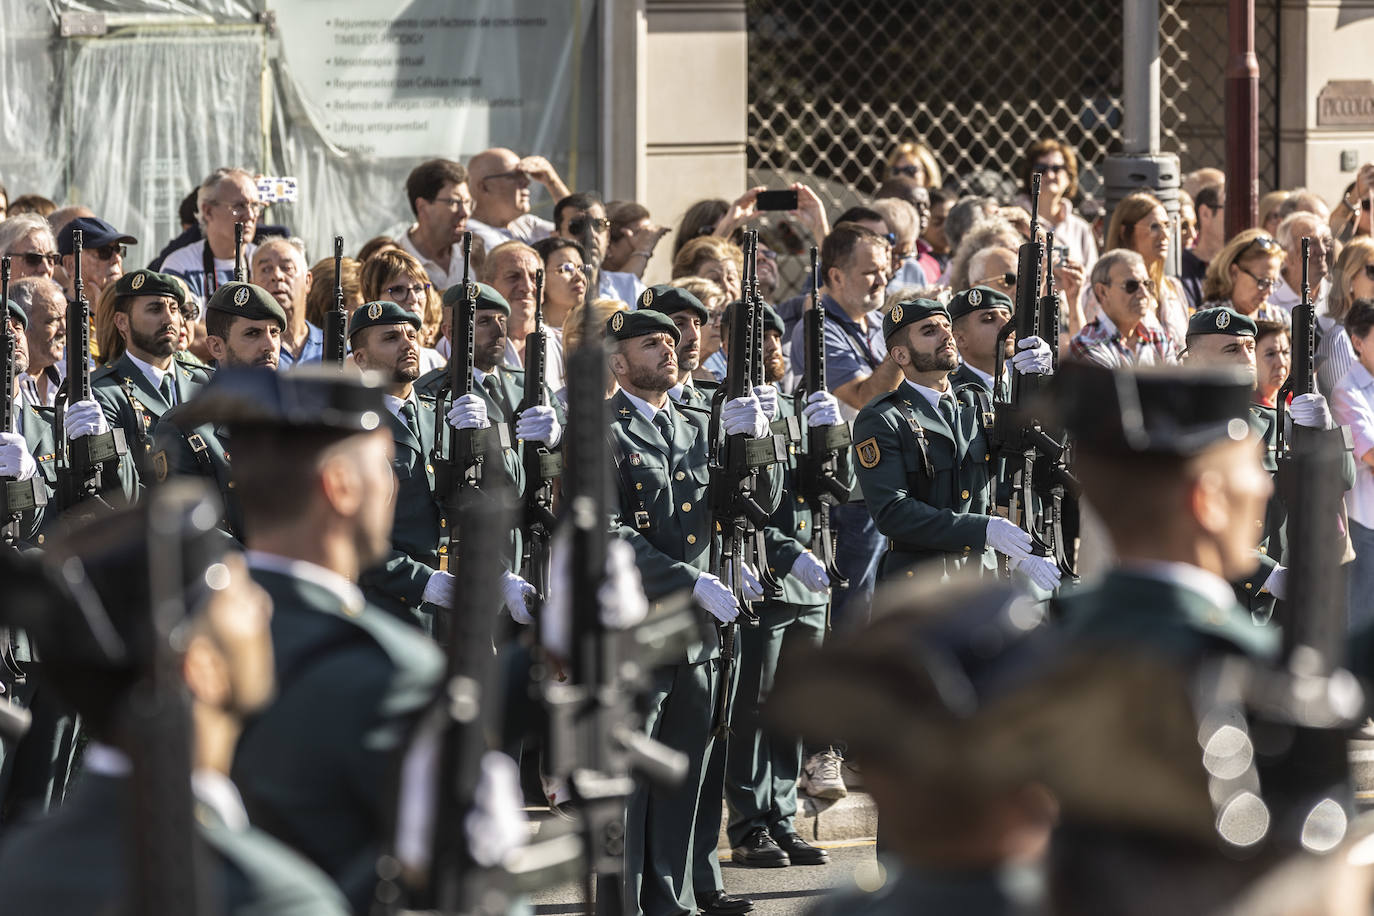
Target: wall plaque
column 1346, row 103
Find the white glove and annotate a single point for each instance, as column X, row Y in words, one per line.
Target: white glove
column 85, row 418
column 15, row 460
column 744, row 415
column 768, row 400
column 468, row 412
column 495, row 824
column 712, row 595
column 622, row 594
column 1040, row 570
column 822, row 409
column 539, row 424
column 1310, row 410
column 1033, row 357
column 1277, row 583
column 751, row 587
column 811, row 572
column 439, row 589
column 516, row 593
column 1007, row 539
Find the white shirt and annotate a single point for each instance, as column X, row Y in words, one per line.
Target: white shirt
column 648, row 410
column 1285, row 297
column 327, row 579
column 189, row 263
column 983, row 376
column 934, row 396
column 394, row 404
column 527, row 228
column 154, row 374
column 1185, row 575
column 1352, row 404
column 620, row 285
column 441, row 275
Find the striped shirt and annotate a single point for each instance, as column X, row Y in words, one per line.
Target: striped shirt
column 1100, row 342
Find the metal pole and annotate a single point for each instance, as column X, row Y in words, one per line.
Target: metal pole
column 1140, row 66
column 1242, row 118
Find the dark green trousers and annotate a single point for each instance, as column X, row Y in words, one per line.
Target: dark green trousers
column 705, row 864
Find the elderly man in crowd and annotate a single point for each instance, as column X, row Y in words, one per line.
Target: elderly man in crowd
column 500, row 184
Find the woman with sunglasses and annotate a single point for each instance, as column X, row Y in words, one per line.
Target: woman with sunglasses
column 915, row 161
column 565, row 284
column 1057, row 165
column 1140, row 223
column 1243, row 274
column 28, row 241
column 393, row 275
column 1352, row 278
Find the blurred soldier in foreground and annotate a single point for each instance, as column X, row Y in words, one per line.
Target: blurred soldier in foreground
column 91, row 607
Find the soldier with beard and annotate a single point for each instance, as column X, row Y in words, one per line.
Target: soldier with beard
column 244, row 325
column 139, row 326
column 924, row 460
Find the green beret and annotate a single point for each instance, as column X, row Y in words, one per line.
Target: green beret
column 910, row 312
column 624, row 325
column 371, row 314
column 247, row 300
column 150, row 283
column 487, row 298
column 17, row 314
column 772, row 321
column 670, row 300
column 980, row 297
column 1221, row 320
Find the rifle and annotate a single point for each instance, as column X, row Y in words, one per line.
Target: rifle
column 542, row 466
column 89, row 466
column 1035, row 462
column 336, row 319
column 735, row 464
column 240, row 275
column 1302, row 375
column 818, row 464
column 18, row 496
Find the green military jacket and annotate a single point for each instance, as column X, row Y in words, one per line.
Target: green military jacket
column 316, row 768
column 131, row 402
column 928, row 487
column 1142, row 611
column 200, row 451
column 75, row 861
column 39, row 437
column 663, row 510
column 793, row 522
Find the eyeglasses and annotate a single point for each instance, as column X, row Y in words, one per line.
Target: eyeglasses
column 910, row 171
column 401, row 291
column 1265, row 284
column 39, row 258
column 1261, row 241
column 109, row 252
column 190, row 311
column 1006, row 281
column 1132, row 286
column 579, row 225
column 453, row 203
column 568, row 269
column 242, row 208
column 1048, row 168
column 520, row 178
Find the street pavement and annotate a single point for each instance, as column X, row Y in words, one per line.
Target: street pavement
column 775, row 891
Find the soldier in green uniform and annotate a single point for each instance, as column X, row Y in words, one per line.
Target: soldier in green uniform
column 976, row 316
column 98, row 648
column 661, row 464
column 688, row 315
column 924, row 461
column 143, row 378
column 1168, row 460
column 313, row 471
column 761, row 768
column 243, row 324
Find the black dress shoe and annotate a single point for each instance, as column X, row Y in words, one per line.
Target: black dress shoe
column 801, row 852
column 719, row 903
column 759, row 851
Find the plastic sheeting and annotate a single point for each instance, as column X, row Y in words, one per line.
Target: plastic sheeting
column 340, row 95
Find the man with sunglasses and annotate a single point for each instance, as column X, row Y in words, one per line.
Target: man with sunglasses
column 1122, row 334
column 102, row 254
column 500, row 184
column 26, row 239
column 226, row 197
column 582, row 218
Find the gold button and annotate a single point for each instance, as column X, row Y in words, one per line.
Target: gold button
column 231, row 485
column 443, row 548
column 965, row 494
column 1248, row 586
column 967, row 549
column 686, row 507
column 801, row 525
column 988, row 456
column 800, row 499
column 443, row 523
column 639, row 486
column 430, row 468
column 910, row 573
column 680, row 476
column 691, row 539
column 41, row 538
column 1264, row 549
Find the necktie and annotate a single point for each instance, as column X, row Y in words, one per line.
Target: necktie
column 665, row 426
column 167, row 389
column 947, row 411
column 408, row 412
column 494, row 393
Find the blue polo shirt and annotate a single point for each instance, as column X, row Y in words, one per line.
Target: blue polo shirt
column 311, row 352
column 850, row 351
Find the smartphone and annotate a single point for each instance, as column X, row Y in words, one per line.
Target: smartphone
column 1061, row 255
column 776, row 200
column 277, row 190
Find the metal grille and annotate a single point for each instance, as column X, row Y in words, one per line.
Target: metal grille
column 834, row 86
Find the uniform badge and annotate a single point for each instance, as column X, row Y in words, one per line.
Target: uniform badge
column 645, row 300
column 635, row 459
column 975, row 297
column 241, row 297
column 374, row 311
column 618, row 320
column 137, row 281
column 897, row 313
column 160, row 466
column 1223, row 321
column 868, row 452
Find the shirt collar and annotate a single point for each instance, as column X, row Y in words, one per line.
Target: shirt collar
column 1185, row 575
column 153, row 373
column 480, row 377
column 105, row 760
column 931, row 394
column 394, row 404
column 648, row 410
column 218, row 791
column 326, row 579
column 1359, row 376
column 678, row 391
column 985, row 377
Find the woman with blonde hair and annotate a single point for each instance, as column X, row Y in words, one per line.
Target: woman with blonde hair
column 913, row 160
column 1141, row 224
column 1243, row 274
column 1352, row 277
column 393, row 275
column 602, row 310
column 713, row 258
